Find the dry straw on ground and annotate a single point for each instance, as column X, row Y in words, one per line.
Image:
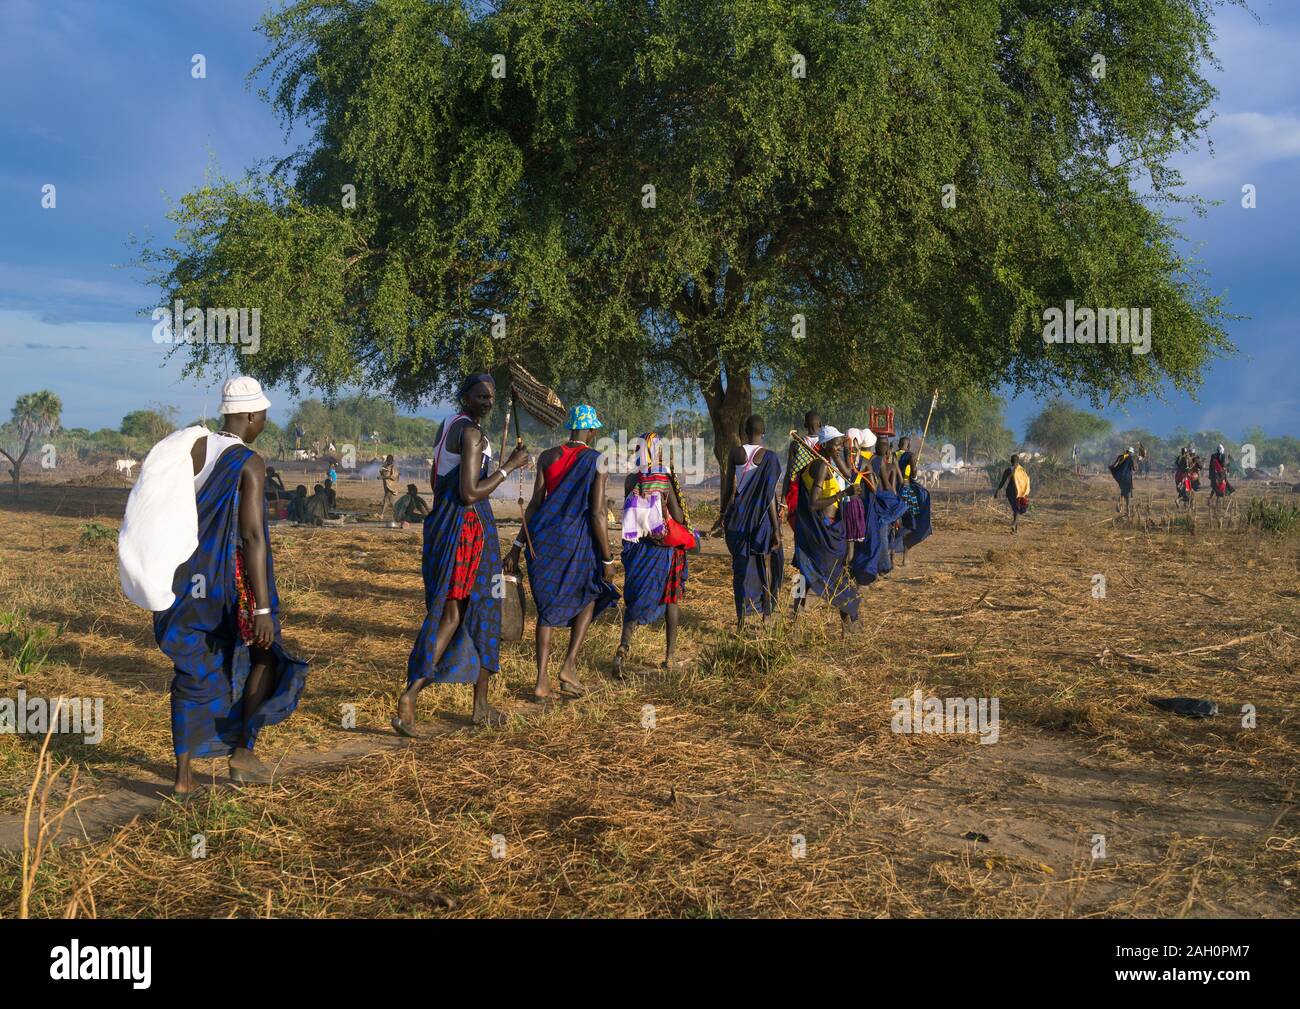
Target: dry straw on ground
column 756, row 742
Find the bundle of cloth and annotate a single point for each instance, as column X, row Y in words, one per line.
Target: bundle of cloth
column 161, row 528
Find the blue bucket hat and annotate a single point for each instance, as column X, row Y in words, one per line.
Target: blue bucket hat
column 583, row 418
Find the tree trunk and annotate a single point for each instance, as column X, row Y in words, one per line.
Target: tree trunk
column 16, row 465
column 730, row 400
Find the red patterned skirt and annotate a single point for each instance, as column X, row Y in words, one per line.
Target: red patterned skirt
column 675, row 587
column 244, row 591
column 469, row 551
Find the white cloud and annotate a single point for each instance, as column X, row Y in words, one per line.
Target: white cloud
column 1243, row 143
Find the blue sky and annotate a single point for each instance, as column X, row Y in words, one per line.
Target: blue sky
column 100, row 103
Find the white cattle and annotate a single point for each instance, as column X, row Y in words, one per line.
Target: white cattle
column 125, row 466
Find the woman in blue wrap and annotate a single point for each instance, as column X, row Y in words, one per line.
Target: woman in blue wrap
column 567, row 544
column 751, row 525
column 820, row 549
column 1122, row 470
column 222, row 633
column 460, row 639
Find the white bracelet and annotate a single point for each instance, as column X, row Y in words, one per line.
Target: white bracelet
column 262, row 613
column 610, row 561
column 518, row 542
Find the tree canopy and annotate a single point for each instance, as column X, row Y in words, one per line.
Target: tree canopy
column 1061, row 425
column 881, row 197
column 150, row 426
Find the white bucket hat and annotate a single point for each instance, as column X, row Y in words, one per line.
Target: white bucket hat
column 829, row 432
column 868, row 438
column 243, row 395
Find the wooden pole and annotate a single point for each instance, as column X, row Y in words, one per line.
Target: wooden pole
column 505, row 431
column 519, row 441
column 934, row 401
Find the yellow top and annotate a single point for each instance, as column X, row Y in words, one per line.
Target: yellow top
column 866, row 455
column 832, row 485
column 1021, row 479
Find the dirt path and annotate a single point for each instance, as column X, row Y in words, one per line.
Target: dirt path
column 122, row 798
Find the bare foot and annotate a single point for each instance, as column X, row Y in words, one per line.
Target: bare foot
column 245, row 767
column 489, row 717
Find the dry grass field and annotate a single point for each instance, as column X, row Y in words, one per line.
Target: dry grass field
column 755, row 742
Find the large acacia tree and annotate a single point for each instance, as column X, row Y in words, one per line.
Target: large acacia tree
column 798, row 229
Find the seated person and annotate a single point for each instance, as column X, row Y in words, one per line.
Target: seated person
column 298, row 505
column 331, row 494
column 410, row 507
column 318, row 507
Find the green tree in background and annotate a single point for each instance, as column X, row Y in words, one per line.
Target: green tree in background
column 35, row 415
column 633, row 412
column 881, row 196
column 1061, row 425
column 971, row 418
column 149, row 426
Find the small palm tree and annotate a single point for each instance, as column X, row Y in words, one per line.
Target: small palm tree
column 35, row 414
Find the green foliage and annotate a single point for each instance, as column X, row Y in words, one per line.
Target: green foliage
column 94, row 534
column 150, row 426
column 36, row 414
column 776, row 195
column 1061, row 425
column 1273, row 516
column 1280, row 451
column 24, row 643
column 1046, row 474
column 354, row 420
column 970, row 419
column 634, row 412
column 1049, row 475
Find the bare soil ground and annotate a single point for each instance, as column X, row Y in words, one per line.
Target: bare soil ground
column 761, row 778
